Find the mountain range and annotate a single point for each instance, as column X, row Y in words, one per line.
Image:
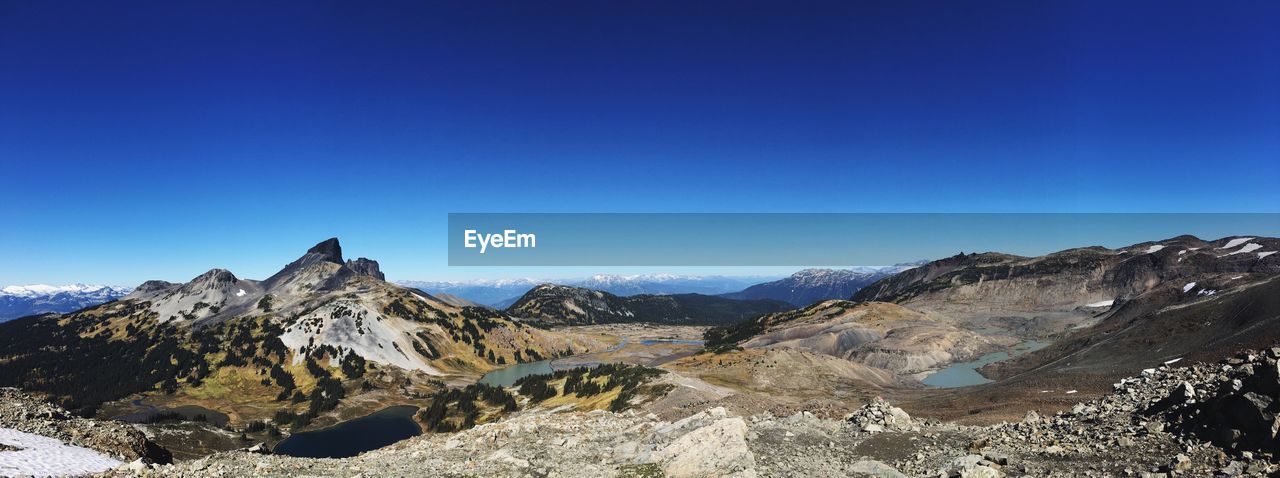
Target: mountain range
column 501, row 293
column 23, row 300
column 800, row 289
column 327, row 338
column 304, row 332
column 814, row 285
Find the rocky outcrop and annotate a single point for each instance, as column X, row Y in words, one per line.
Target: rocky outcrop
column 879, row 416
column 25, row 413
column 328, row 250
column 708, row 443
column 366, row 267
column 1237, row 409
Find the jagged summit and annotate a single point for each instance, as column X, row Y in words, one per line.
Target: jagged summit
column 327, row 254
column 328, row 249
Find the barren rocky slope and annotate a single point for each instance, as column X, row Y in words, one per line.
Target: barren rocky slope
column 875, row 334
column 1055, row 292
column 1151, row 425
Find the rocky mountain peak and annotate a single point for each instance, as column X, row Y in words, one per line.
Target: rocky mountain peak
column 329, row 250
column 153, row 285
column 366, row 267
column 215, row 277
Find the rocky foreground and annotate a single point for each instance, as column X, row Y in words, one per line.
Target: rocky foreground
column 1195, row 420
column 24, row 413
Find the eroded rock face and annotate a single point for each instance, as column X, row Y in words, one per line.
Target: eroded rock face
column 366, row 267
column 329, row 249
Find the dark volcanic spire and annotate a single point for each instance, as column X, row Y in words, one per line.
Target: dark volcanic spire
column 326, row 251
column 330, row 249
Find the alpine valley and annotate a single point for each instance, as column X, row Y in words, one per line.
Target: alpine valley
column 1155, row 359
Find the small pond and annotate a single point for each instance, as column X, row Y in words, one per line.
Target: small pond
column 507, row 376
column 963, row 374
column 353, row 437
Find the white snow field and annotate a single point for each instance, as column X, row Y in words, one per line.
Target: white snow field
column 1250, row 247
column 43, row 456
column 1236, row 242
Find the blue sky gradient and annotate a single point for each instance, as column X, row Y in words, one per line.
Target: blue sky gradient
column 158, row 139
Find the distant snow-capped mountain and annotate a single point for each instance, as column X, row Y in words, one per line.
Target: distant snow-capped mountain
column 482, row 291
column 502, row 292
column 625, row 285
column 815, row 285
column 23, row 300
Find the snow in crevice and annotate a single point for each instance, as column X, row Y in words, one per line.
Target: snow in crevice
column 1105, row 303
column 1155, row 248
column 1235, row 277
column 1188, row 287
column 39, row 455
column 1265, row 254
column 1250, row 247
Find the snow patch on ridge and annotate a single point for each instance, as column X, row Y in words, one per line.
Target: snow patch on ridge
column 1236, row 242
column 43, row 456
column 1250, row 247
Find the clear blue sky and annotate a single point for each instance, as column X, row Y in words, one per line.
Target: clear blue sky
column 158, row 139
